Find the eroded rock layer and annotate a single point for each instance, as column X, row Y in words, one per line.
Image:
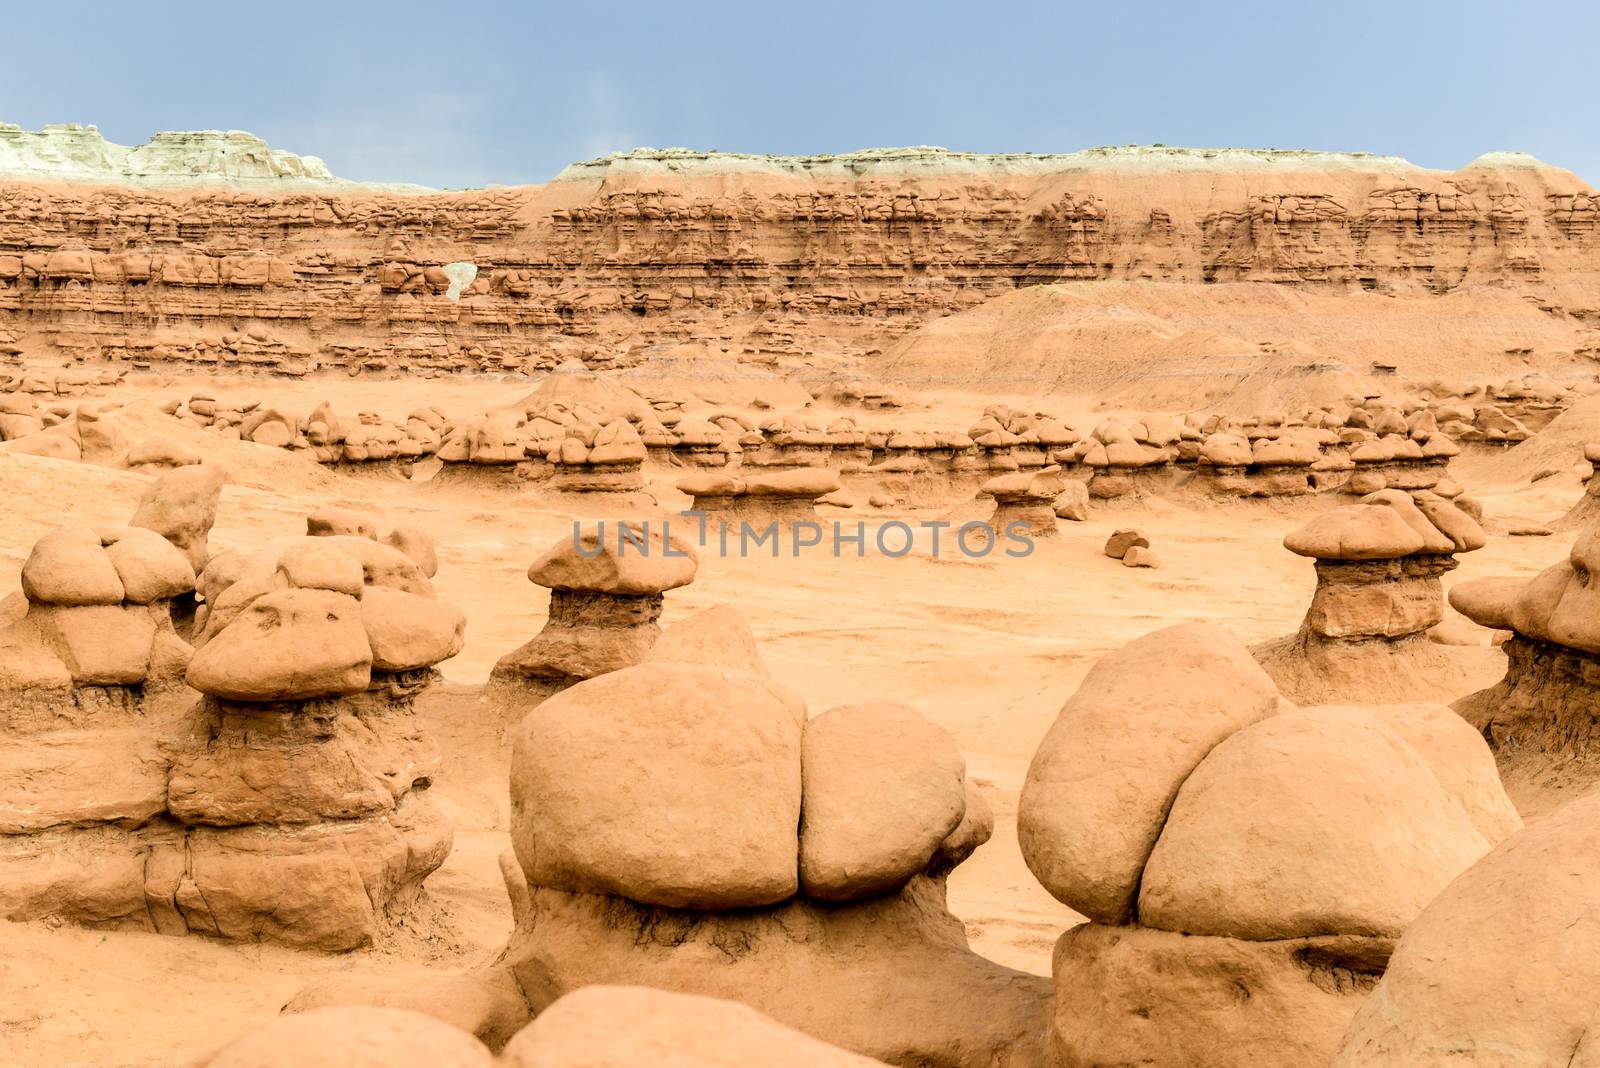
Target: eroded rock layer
column 769, row 255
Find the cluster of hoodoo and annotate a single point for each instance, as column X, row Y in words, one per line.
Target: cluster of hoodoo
column 597, row 458
column 323, row 434
column 799, row 441
column 93, row 432
column 1231, row 464
column 86, row 432
column 92, row 665
column 97, row 627
column 578, row 432
column 300, row 789
column 607, row 583
column 684, row 825
column 91, row 683
column 1237, row 918
column 92, row 662
column 1126, row 459
column 1365, row 636
column 1540, row 718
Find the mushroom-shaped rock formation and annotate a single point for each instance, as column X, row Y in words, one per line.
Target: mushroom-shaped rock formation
column 1123, row 467
column 598, row 459
column 882, row 789
column 790, row 442
column 91, row 685
column 784, row 497
column 1500, row 968
column 1378, row 593
column 1540, row 718
column 1024, row 502
column 300, row 792
column 1388, row 458
column 1231, row 465
column 685, row 827
column 1236, row 917
column 97, row 633
column 607, row 583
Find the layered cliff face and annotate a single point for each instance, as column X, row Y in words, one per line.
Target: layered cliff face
column 775, row 259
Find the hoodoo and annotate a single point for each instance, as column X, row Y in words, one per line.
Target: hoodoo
column 1538, row 718
column 1365, row 636
column 795, row 865
column 301, row 788
column 1179, row 803
column 607, row 584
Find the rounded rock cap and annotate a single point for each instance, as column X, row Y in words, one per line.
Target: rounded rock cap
column 1356, row 532
column 1488, row 602
column 800, row 482
column 625, row 558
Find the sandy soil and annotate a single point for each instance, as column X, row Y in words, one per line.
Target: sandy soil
column 988, row 648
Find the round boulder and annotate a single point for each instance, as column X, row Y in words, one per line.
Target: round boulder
column 883, row 787
column 1100, row 786
column 1122, row 540
column 68, row 567
column 407, row 632
column 151, row 568
column 1356, row 532
column 1256, row 847
column 670, row 784
column 715, row 637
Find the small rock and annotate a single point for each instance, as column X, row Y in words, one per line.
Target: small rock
column 1123, row 539
column 1073, row 502
column 1140, row 556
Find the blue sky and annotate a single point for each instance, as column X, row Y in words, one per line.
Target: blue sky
column 467, row 94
